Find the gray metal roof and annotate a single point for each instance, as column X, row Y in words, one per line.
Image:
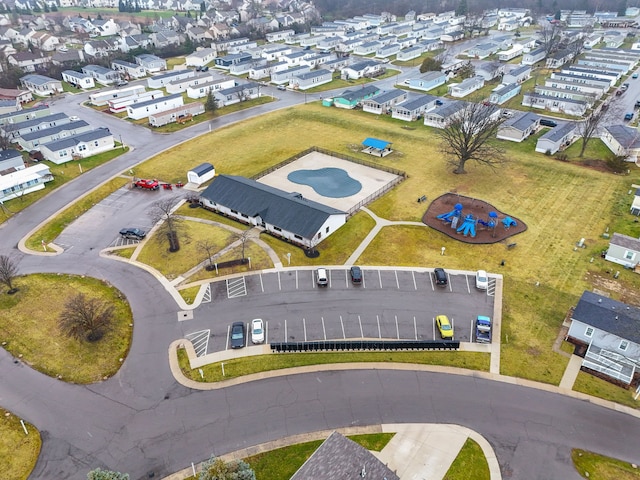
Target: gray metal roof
column 626, row 136
column 98, row 69
column 558, row 133
column 592, row 71
column 155, row 100
column 431, row 76
column 449, row 108
column 384, row 97
column 339, row 458
column 125, row 64
column 313, row 74
column 78, row 75
column 23, row 111
column 53, row 130
column 505, row 88
column 364, row 64
column 417, row 102
column 202, row 168
column 68, row 142
column 519, row 70
column 523, row 121
column 289, row 211
column 609, row 315
column 9, row 154
column 38, row 79
column 625, row 241
column 37, row 121
column 358, row 93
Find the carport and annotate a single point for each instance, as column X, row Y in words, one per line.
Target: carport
column 376, row 147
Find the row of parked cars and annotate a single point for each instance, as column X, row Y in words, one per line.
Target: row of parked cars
column 237, row 337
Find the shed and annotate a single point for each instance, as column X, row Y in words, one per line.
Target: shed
column 201, row 173
column 376, row 147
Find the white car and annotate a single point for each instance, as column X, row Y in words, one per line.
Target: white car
column 257, row 331
column 482, row 281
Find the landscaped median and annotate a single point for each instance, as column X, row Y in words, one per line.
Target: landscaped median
column 19, row 447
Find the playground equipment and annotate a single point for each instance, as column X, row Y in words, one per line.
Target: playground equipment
column 468, row 227
column 455, row 213
column 509, row 222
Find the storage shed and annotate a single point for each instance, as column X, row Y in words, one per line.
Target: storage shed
column 201, row 173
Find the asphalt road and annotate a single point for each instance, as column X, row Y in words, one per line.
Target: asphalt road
column 142, row 421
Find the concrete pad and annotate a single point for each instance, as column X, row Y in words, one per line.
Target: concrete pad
column 571, row 372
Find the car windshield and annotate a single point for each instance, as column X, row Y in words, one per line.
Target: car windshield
column 236, row 333
column 445, row 326
column 257, row 330
column 482, row 278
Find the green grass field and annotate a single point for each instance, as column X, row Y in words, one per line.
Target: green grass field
column 18, row 452
column 598, row 467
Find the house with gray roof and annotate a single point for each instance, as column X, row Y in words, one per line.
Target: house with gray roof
column 624, row 250
column 162, row 80
column 440, row 116
column 555, row 103
column 341, row 458
column 502, row 93
column 41, row 85
column 31, row 141
column 557, row 138
column 16, row 130
column 483, row 50
column 78, row 79
column 622, row 140
column 100, row 74
column 466, row 87
column 594, row 72
column 414, row 108
column 384, row 102
column 427, row 81
column 25, row 114
column 519, row 127
column 287, row 215
column 352, row 97
column 78, row 146
column 534, row 56
column 237, row 93
column 139, row 110
column 11, row 159
column 361, row 69
column 517, row 75
column 606, row 333
column 128, row 69
column 305, row 81
column 151, row 63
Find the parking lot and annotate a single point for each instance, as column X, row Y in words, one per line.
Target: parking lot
column 399, row 304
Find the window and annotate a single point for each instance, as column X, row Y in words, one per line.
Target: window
column 629, row 255
column 327, row 230
column 277, row 229
column 623, row 345
column 234, row 212
column 298, row 237
column 588, row 332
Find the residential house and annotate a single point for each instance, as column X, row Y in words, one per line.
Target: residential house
column 289, row 216
column 200, row 57
column 517, row 75
column 367, row 48
column 141, row 110
column 241, row 68
column 101, row 98
column 387, row 51
column 592, row 40
column 78, row 79
column 70, row 58
column 519, row 127
column 102, row 75
column 9, row 105
column 233, row 59
column 587, row 88
column 443, row 114
column 554, row 103
column 352, row 97
column 410, row 53
column 613, row 39
column 558, row 59
column 572, row 79
column 313, row 78
column 41, row 85
column 466, row 87
column 166, row 37
column 622, row 140
column 534, row 56
column 510, row 54
column 236, row 94
column 365, row 68
column 24, row 115
column 44, row 41
column 151, row 63
column 635, row 205
column 10, row 159
column 27, row 61
column 78, row 146
column 384, row 102
column 605, row 332
column 20, row 96
column 427, row 81
column 280, row 35
column 564, row 93
column 490, row 70
column 453, row 35
column 102, row 48
column 482, row 50
column 503, row 92
column 624, row 250
column 15, row 130
column 119, row 105
column 608, row 63
column 162, row 80
column 176, row 114
column 31, row 141
column 128, row 70
column 285, row 76
column 181, row 85
column 24, row 181
column 414, row 108
column 559, row 137
column 104, row 28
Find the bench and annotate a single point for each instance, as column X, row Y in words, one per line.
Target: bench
column 423, row 198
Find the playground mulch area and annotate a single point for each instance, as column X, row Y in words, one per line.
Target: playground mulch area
column 479, row 209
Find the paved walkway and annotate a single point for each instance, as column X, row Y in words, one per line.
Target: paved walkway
column 571, row 372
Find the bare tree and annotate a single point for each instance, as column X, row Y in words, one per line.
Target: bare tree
column 208, row 247
column 6, row 136
column 575, row 48
column 590, row 126
column 469, row 136
column 162, row 212
column 550, row 36
column 87, row 318
column 243, row 237
column 8, row 272
column 241, row 92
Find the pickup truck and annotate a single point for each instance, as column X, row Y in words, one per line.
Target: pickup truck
column 483, row 329
column 147, row 184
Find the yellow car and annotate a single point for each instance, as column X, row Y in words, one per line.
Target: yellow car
column 446, row 330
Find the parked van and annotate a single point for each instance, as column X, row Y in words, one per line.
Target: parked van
column 321, row 277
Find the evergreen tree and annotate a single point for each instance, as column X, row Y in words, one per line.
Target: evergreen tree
column 210, row 105
column 188, row 14
column 202, row 7
column 46, row 7
column 462, row 8
column 54, row 8
column 121, row 6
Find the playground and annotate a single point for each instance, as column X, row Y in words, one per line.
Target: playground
column 471, row 220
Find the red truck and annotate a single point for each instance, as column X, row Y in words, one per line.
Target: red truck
column 146, row 184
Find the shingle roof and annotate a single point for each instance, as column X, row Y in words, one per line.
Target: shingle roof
column 96, row 134
column 609, row 315
column 23, row 111
column 523, row 121
column 384, row 97
column 155, row 100
column 313, row 74
column 9, row 154
column 358, row 93
column 339, row 458
column 289, row 211
column 37, row 121
column 627, row 137
column 625, row 241
column 417, row 102
column 53, row 130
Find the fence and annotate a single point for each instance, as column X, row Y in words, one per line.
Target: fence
column 376, row 345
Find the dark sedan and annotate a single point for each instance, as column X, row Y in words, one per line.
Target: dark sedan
column 133, row 233
column 237, row 335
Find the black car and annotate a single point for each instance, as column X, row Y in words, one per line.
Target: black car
column 237, row 335
column 133, row 233
column 440, row 276
column 548, row 122
column 356, row 275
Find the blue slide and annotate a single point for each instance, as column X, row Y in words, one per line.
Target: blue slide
column 456, row 212
column 468, row 227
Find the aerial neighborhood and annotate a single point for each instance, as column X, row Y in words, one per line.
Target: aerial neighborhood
column 177, row 112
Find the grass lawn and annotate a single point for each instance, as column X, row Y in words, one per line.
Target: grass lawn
column 174, row 61
column 598, row 467
column 62, row 174
column 110, row 12
column 49, row 231
column 470, row 463
column 591, row 385
column 30, row 328
column 264, row 363
column 282, row 463
column 19, row 452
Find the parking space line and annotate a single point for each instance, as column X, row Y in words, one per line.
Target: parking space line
column 415, row 285
column 324, row 331
column 471, row 330
column 304, row 328
column 261, row 284
column 285, row 329
column 468, row 287
column 313, row 283
column 433, row 327
column 342, row 323
column 246, row 337
column 449, row 282
column 363, row 284
column 346, row 279
column 379, row 331
column 453, row 327
column 329, row 278
column 297, row 280
column 227, row 345
column 431, row 281
column 397, row 329
column 266, row 332
column 380, row 278
column 415, row 328
column 397, row 282
column 360, row 322
column 279, row 283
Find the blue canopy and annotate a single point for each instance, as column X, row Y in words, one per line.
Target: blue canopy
column 375, row 143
